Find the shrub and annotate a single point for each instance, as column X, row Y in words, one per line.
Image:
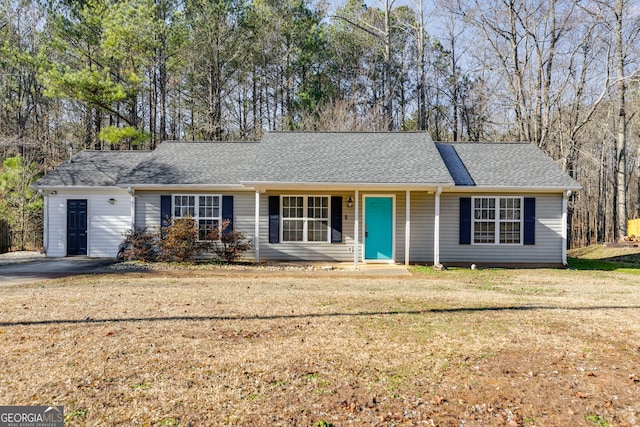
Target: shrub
column 139, row 244
column 228, row 245
column 180, row 241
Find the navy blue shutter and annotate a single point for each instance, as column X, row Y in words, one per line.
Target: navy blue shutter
column 465, row 220
column 227, row 213
column 165, row 210
column 336, row 219
column 274, row 219
column 529, row 221
column 165, row 213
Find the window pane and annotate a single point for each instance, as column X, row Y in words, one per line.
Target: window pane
column 484, row 232
column 292, row 207
column 317, row 231
column 484, row 208
column 208, row 206
column 183, row 206
column 292, row 230
column 510, row 232
column 318, row 207
column 510, row 209
column 206, row 226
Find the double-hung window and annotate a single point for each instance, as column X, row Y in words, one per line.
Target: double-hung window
column 305, row 218
column 204, row 209
column 497, row 220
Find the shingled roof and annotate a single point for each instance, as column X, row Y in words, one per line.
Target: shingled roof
column 93, row 169
column 511, row 164
column 349, row 157
column 358, row 158
column 195, row 163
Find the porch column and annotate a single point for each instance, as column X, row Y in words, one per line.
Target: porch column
column 407, row 229
column 356, row 228
column 45, row 234
column 565, row 198
column 132, row 193
column 436, row 230
column 256, row 232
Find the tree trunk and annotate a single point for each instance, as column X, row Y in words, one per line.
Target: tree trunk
column 388, row 92
column 621, row 137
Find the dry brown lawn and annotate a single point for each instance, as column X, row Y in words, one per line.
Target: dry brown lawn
column 452, row 348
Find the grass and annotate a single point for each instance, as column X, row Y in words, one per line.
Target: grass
column 596, row 264
column 457, row 347
column 600, row 257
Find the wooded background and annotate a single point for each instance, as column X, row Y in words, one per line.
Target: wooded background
column 127, row 74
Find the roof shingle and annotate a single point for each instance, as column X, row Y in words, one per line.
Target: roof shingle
column 93, row 169
column 350, row 157
column 511, row 165
column 198, row 163
column 318, row 157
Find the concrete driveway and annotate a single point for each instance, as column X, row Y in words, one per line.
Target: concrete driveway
column 27, row 267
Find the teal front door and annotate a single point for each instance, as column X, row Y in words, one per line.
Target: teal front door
column 378, row 228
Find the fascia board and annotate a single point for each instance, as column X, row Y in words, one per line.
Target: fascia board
column 186, row 187
column 264, row 185
column 505, row 189
column 75, row 187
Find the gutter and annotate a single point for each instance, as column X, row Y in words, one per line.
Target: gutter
column 267, row 185
column 169, row 187
column 505, row 189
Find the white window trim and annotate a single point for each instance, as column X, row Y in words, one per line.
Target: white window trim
column 497, row 221
column 196, row 209
column 305, row 219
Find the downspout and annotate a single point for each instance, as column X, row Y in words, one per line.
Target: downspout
column 565, row 198
column 356, row 228
column 436, row 230
column 132, row 193
column 45, row 225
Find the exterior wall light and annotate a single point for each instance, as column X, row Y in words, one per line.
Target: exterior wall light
column 350, row 202
column 112, row 201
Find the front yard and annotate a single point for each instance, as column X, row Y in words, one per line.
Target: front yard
column 458, row 347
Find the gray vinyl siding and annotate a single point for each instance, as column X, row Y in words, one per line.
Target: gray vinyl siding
column 548, row 235
column 422, row 208
column 148, row 211
column 422, row 217
column 307, row 251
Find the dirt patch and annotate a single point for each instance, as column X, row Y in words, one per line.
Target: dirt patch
column 473, row 348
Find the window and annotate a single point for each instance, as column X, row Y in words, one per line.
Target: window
column 292, row 219
column 204, row 209
column 305, row 218
column 497, row 220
